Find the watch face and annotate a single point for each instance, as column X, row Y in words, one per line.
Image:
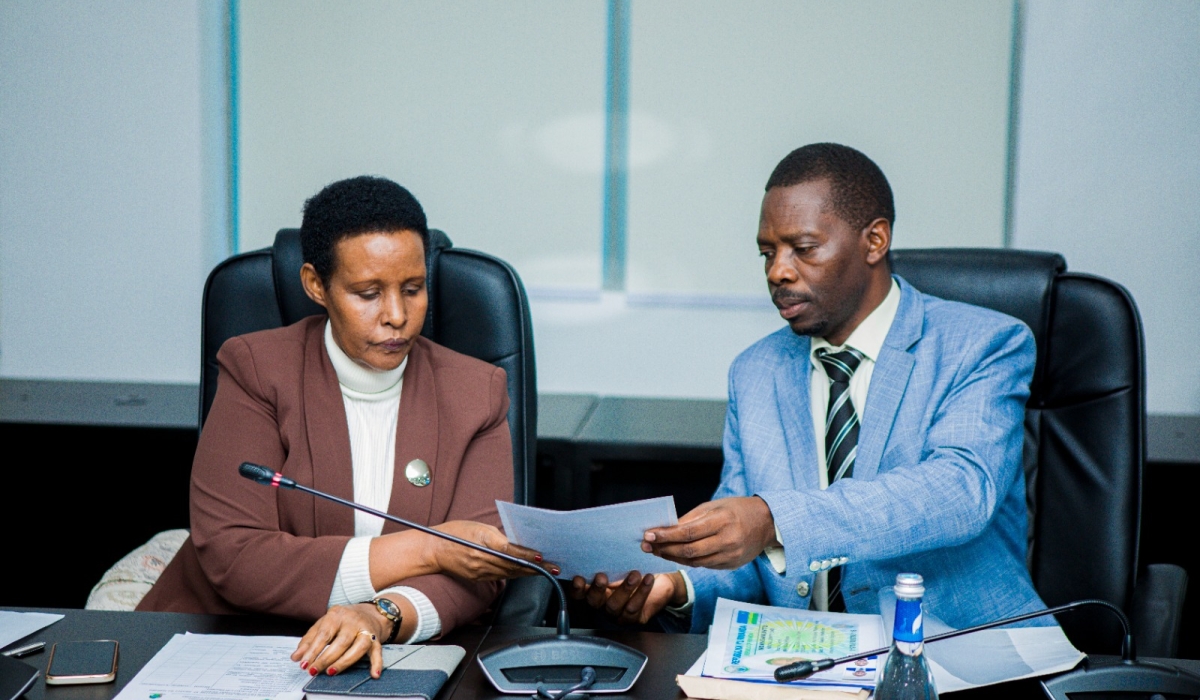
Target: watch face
column 388, row 608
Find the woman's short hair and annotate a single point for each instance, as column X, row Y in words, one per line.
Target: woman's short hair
column 352, row 207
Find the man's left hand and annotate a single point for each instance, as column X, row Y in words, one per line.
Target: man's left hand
column 722, row 534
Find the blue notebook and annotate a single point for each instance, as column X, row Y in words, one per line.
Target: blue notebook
column 410, row 672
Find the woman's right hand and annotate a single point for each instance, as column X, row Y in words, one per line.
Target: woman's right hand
column 343, row 635
column 473, row 565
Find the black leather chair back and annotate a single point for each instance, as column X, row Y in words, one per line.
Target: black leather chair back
column 477, row 306
column 1084, row 422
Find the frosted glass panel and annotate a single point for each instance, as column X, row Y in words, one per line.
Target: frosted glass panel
column 721, row 91
column 106, row 232
column 491, row 113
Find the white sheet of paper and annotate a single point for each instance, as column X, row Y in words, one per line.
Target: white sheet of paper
column 991, row 656
column 219, row 667
column 18, row 625
column 1000, row 655
column 585, row 542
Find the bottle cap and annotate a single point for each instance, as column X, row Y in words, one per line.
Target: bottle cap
column 909, row 586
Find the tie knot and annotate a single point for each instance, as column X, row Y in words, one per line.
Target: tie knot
column 840, row 366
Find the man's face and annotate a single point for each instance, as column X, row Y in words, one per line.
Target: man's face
column 816, row 263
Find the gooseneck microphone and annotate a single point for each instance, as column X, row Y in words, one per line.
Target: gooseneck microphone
column 1126, row 676
column 526, row 666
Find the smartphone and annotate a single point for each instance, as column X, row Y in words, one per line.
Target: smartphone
column 73, row 663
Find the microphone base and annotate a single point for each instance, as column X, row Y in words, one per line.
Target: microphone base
column 1117, row 678
column 556, row 662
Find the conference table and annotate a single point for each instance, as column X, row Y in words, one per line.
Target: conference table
column 141, row 635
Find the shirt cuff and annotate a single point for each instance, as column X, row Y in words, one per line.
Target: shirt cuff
column 353, row 581
column 685, row 609
column 429, row 625
column 775, row 554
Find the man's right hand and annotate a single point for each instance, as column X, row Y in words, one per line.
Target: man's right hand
column 634, row 600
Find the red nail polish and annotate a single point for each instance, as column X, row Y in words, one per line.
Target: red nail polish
column 303, row 665
column 537, row 557
column 555, row 570
column 312, row 671
column 332, row 671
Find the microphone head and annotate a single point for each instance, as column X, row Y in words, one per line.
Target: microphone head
column 256, row 472
column 794, row 672
column 802, row 669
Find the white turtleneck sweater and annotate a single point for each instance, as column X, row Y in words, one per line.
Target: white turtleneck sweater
column 372, row 401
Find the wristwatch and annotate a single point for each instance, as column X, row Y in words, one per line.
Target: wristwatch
column 391, row 611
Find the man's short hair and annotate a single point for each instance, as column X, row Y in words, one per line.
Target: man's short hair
column 358, row 205
column 859, row 192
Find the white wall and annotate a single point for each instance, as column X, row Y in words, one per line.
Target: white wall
column 112, row 203
column 105, row 188
column 1108, row 165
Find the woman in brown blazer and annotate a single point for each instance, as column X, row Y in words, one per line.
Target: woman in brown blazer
column 358, row 404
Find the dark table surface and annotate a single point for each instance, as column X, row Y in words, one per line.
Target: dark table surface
column 141, row 635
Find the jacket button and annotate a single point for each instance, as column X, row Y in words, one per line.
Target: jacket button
column 814, row 566
column 827, row 563
column 802, row 589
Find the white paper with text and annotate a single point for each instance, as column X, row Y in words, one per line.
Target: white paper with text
column 219, row 667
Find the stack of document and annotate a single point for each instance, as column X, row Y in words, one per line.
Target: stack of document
column 747, row 642
column 696, row 685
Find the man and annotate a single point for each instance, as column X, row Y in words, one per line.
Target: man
column 881, row 432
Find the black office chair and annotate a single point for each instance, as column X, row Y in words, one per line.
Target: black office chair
column 477, row 306
column 1085, row 436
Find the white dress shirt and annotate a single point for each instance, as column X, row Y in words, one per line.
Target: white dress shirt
column 372, row 402
column 868, row 339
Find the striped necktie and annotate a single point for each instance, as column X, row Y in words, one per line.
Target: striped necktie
column 841, row 438
column 841, row 421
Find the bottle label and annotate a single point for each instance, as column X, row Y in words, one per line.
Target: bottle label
column 909, row 624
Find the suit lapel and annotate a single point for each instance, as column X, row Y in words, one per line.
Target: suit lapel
column 328, row 437
column 417, row 438
column 889, row 381
column 795, row 412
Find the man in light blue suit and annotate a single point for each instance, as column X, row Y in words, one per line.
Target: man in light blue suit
column 881, row 432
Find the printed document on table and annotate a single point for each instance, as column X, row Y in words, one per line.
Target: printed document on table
column 696, row 685
column 219, row 667
column 18, row 625
column 585, row 542
column 748, row 642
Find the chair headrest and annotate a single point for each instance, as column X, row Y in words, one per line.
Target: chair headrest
column 286, row 261
column 1014, row 282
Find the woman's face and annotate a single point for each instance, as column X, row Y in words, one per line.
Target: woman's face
column 376, row 296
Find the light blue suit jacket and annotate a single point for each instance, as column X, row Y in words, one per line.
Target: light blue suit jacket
column 938, row 486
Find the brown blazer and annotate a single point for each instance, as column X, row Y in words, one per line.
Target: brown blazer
column 259, row 549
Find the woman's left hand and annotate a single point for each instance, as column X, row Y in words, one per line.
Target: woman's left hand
column 341, row 637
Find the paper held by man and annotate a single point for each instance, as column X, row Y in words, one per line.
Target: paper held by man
column 746, row 643
column 589, row 541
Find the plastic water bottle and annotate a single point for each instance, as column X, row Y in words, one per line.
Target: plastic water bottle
column 906, row 675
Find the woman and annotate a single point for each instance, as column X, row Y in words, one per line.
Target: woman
column 358, row 404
